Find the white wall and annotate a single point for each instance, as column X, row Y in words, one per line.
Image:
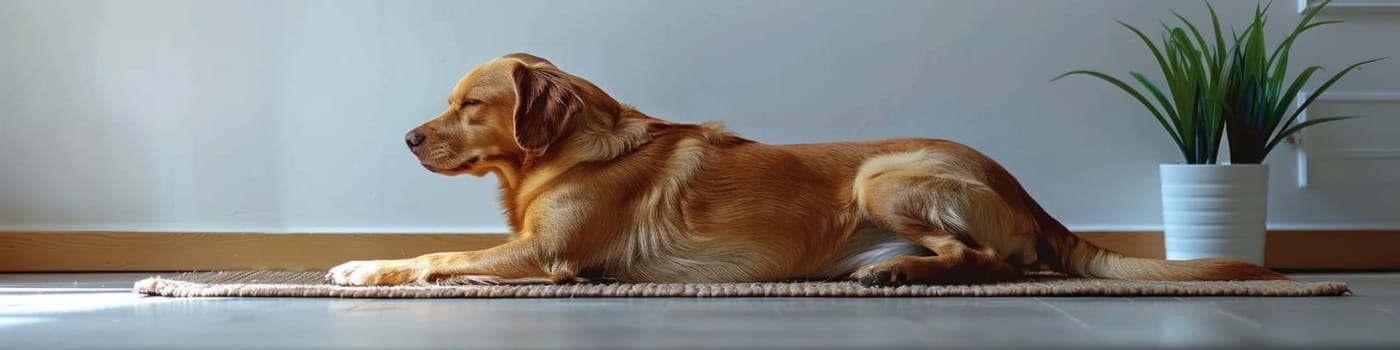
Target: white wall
column 287, row 116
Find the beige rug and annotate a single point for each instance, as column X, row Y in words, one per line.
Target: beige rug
column 312, row 284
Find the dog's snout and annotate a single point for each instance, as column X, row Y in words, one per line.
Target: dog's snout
column 414, row 138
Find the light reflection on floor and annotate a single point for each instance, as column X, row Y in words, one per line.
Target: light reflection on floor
column 30, row 305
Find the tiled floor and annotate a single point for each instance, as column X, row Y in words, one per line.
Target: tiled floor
column 97, row 311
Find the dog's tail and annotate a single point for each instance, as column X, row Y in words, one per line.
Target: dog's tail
column 1067, row 253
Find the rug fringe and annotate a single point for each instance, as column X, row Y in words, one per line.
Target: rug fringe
column 312, row 284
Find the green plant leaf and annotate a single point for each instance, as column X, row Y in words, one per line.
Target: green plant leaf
column 1256, row 69
column 1185, row 127
column 1323, row 88
column 1223, row 80
column 1323, row 23
column 1288, row 97
column 1294, row 129
column 1135, row 94
column 1219, row 37
column 1303, row 25
column 1155, row 52
column 1200, row 40
column 1161, row 99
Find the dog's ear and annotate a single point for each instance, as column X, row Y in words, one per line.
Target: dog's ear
column 544, row 103
column 531, row 60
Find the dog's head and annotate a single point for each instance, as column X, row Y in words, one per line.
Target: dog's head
column 500, row 112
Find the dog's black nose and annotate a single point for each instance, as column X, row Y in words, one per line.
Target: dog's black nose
column 414, row 138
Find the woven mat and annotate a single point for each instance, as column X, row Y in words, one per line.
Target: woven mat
column 312, row 284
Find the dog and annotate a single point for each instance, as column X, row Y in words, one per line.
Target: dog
column 595, row 189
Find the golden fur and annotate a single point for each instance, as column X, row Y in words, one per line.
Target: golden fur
column 596, row 189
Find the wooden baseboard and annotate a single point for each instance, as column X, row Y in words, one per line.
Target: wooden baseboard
column 134, row 251
column 1285, row 250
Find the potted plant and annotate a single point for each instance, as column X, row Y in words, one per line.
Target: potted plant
column 1212, row 209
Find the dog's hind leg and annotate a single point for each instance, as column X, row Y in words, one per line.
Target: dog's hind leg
column 936, row 202
column 955, row 263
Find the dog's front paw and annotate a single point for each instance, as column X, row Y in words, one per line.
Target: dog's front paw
column 374, row 273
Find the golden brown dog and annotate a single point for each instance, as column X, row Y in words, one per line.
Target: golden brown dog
column 593, row 188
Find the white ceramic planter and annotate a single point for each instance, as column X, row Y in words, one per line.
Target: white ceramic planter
column 1215, row 210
